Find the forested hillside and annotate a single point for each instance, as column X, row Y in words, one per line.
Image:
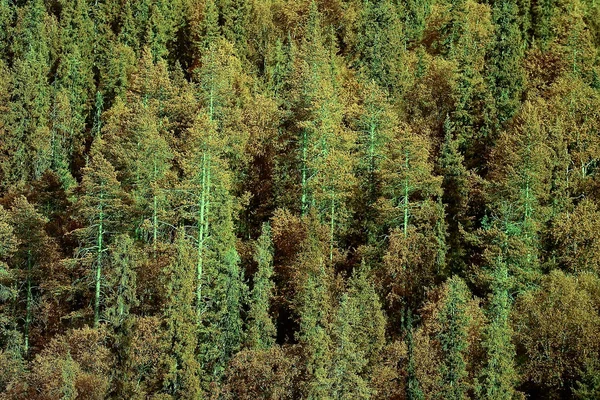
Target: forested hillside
column 300, row 199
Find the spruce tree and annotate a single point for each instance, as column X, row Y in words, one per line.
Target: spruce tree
column 122, row 296
column 520, row 174
column 261, row 330
column 359, row 338
column 182, row 375
column 99, row 206
column 505, row 71
column 377, row 123
column 324, row 144
column 453, row 339
column 35, row 249
column 29, row 139
column 315, row 309
column 413, row 388
column 411, row 211
column 381, row 43
column 499, row 377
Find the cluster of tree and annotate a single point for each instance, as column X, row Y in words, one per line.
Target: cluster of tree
column 281, row 199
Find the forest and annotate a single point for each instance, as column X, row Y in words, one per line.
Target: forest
column 299, row 199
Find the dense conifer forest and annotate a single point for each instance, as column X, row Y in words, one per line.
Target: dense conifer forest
column 300, row 199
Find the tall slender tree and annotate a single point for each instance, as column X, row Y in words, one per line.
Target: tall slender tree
column 99, row 208
column 453, row 339
column 182, row 375
column 261, row 330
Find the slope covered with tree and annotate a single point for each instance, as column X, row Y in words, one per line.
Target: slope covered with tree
column 284, row 199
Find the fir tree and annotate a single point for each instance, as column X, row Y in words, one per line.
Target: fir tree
column 122, row 281
column 499, row 375
column 505, row 72
column 99, row 207
column 453, row 339
column 182, row 378
column 261, row 330
column 34, row 249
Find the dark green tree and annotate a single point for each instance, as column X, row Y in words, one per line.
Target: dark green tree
column 182, row 375
column 499, row 377
column 454, row 321
column 504, row 68
column 261, row 330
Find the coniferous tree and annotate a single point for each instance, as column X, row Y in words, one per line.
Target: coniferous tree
column 359, row 334
column 12, row 362
column 499, row 376
column 99, row 207
column 412, row 214
column 261, row 331
column 315, row 308
column 6, row 16
column 380, row 41
column 453, row 339
column 413, row 388
column 520, row 178
column 35, row 249
column 505, row 71
column 377, row 123
column 29, row 140
column 456, row 185
column 122, row 282
column 182, row 379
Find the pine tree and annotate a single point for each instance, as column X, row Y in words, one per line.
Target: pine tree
column 505, row 71
column 99, row 207
column 380, row 45
column 29, row 140
column 499, row 377
column 182, row 378
column 315, row 309
column 324, row 144
column 34, row 250
column 122, row 281
column 359, row 332
column 410, row 210
column 261, row 331
column 453, row 339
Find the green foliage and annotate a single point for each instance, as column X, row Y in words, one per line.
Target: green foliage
column 261, row 331
column 454, row 321
column 500, row 375
column 204, row 182
column 182, row 370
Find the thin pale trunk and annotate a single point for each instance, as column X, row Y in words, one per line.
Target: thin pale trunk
column 372, row 161
column 405, row 228
column 28, row 315
column 99, row 261
column 331, row 228
column 201, row 226
column 203, row 210
column 304, row 175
